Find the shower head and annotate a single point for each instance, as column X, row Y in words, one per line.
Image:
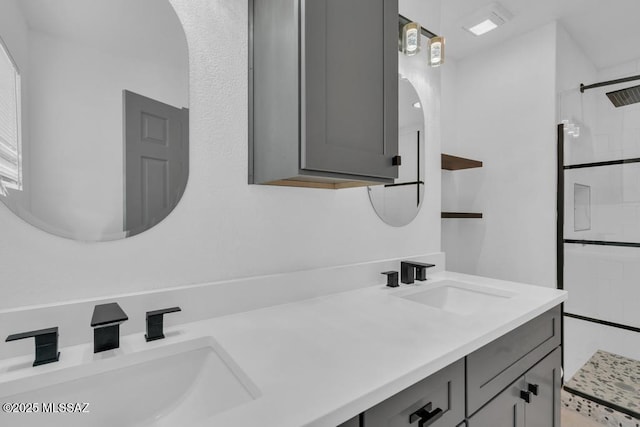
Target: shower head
column 628, row 96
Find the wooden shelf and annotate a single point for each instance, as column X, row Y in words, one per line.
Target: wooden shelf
column 453, row 163
column 467, row 215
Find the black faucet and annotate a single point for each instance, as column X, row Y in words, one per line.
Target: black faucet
column 411, row 270
column 46, row 344
column 106, row 322
column 155, row 323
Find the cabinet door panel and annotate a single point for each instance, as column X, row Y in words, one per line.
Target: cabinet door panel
column 544, row 409
column 349, row 123
column 506, row 410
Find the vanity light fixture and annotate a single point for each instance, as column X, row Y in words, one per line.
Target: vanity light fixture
column 409, row 41
column 411, row 38
column 487, row 19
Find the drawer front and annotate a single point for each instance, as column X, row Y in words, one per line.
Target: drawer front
column 444, row 391
column 493, row 367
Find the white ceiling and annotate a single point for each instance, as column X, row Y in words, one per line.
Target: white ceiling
column 607, row 31
column 142, row 29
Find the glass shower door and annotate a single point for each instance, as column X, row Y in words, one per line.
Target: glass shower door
column 601, row 248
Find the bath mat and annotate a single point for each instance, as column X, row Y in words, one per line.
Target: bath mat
column 610, row 380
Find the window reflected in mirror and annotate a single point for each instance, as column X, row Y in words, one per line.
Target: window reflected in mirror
column 10, row 138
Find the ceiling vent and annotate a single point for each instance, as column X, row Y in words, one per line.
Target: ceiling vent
column 487, row 19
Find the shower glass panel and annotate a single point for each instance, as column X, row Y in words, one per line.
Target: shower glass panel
column 601, row 226
column 603, row 203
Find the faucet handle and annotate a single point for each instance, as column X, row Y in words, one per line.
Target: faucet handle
column 46, row 344
column 392, row 278
column 108, row 315
column 155, row 320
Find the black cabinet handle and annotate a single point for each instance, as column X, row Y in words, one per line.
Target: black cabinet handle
column 396, row 161
column 533, row 388
column 425, row 416
column 525, row 395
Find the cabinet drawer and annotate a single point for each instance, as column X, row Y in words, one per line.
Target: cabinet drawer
column 443, row 390
column 493, row 367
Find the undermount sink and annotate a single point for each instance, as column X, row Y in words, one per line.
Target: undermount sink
column 176, row 385
column 456, row 297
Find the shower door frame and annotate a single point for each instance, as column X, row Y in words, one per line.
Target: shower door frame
column 561, row 241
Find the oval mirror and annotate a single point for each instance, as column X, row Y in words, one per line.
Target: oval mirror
column 94, row 119
column 398, row 204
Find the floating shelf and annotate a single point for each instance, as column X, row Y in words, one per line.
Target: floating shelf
column 467, row 215
column 453, row 163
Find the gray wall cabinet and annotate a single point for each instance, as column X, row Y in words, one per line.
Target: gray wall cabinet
column 514, row 381
column 323, row 77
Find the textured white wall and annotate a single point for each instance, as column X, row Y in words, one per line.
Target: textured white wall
column 504, row 115
column 224, row 228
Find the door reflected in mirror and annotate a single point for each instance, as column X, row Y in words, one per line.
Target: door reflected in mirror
column 94, row 119
column 398, row 204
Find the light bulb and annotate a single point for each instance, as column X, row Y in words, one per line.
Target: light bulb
column 436, row 51
column 411, row 39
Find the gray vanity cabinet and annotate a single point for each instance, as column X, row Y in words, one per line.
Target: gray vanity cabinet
column 323, row 92
column 514, row 381
column 540, row 386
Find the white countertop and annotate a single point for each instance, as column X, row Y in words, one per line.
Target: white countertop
column 321, row 361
